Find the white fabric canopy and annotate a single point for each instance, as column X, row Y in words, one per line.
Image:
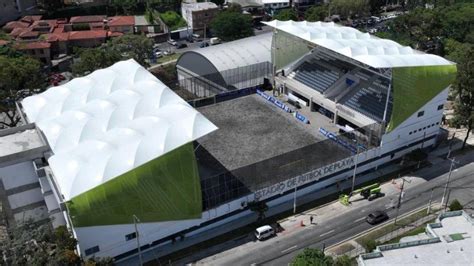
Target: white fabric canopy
column 109, row 122
column 363, row 47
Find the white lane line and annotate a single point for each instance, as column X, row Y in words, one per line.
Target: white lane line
column 360, row 219
column 288, row 249
column 327, row 233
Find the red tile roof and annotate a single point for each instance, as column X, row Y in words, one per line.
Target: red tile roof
column 16, row 24
column 89, row 34
column 32, row 45
column 55, row 37
column 114, row 34
column 96, row 25
column 86, row 19
column 28, row 34
column 122, row 21
column 31, row 19
column 17, row 31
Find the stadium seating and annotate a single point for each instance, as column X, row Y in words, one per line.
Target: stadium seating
column 369, row 99
column 315, row 76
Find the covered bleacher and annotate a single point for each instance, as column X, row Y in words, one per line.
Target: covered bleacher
column 315, row 76
column 369, row 98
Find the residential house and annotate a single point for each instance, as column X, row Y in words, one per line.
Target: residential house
column 123, row 24
column 40, row 50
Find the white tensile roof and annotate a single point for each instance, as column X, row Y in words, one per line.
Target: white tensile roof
column 363, row 47
column 109, row 122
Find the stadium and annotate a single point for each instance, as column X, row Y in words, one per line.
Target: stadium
column 123, row 148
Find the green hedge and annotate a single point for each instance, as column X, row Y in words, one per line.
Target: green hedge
column 173, row 20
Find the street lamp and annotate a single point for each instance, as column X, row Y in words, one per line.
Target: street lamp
column 447, row 181
column 355, row 168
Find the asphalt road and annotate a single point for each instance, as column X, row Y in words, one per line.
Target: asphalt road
column 337, row 229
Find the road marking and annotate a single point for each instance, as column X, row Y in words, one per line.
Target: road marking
column 288, row 249
column 327, row 233
column 360, row 219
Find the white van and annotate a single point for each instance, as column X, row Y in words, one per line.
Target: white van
column 214, row 41
column 264, row 232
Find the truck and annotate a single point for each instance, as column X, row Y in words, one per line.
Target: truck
column 214, row 41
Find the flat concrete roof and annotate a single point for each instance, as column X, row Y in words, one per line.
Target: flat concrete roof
column 252, row 130
column 20, row 141
column 446, row 252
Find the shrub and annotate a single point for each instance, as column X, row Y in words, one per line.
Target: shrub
column 370, row 245
column 455, row 205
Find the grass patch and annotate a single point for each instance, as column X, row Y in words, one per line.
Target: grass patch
column 414, row 232
column 173, row 20
column 167, row 58
column 456, row 237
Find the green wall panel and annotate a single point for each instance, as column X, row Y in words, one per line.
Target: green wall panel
column 166, row 188
column 413, row 87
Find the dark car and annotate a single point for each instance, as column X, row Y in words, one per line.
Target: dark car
column 204, row 44
column 377, row 217
column 181, row 45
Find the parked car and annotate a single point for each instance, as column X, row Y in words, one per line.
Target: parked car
column 158, row 54
column 172, row 42
column 214, row 41
column 264, row 232
column 204, row 44
column 168, row 52
column 181, row 45
column 377, row 217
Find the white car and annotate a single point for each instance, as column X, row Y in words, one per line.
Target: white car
column 158, row 54
column 172, row 42
column 264, row 232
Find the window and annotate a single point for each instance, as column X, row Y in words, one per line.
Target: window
column 441, row 106
column 91, row 250
column 130, row 236
column 424, row 128
column 421, row 113
column 437, row 123
column 415, row 131
column 410, row 133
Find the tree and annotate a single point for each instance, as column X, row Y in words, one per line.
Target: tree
column 349, row 8
column 311, row 256
column 218, row 2
column 317, row 13
column 260, row 208
column 138, row 47
column 286, row 14
column 370, row 245
column 91, row 59
column 343, row 260
column 20, row 76
column 455, row 205
column 124, row 6
column 230, row 25
column 464, row 92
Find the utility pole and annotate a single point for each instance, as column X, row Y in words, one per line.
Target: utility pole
column 135, row 220
column 400, row 196
column 294, row 201
column 355, row 169
column 447, row 182
column 429, row 203
column 447, row 200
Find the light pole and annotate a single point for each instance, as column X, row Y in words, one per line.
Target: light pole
column 447, row 181
column 355, row 169
column 135, row 220
column 429, row 203
column 400, row 196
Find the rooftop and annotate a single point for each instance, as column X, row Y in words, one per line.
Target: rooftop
column 362, row 47
column 109, row 122
column 32, row 45
column 199, row 6
column 19, row 141
column 455, row 248
column 121, row 21
column 88, row 34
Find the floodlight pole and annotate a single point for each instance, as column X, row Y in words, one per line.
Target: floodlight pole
column 447, row 181
column 355, row 169
column 135, row 220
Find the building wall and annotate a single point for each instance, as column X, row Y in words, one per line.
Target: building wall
column 43, row 55
column 123, row 29
column 201, row 19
